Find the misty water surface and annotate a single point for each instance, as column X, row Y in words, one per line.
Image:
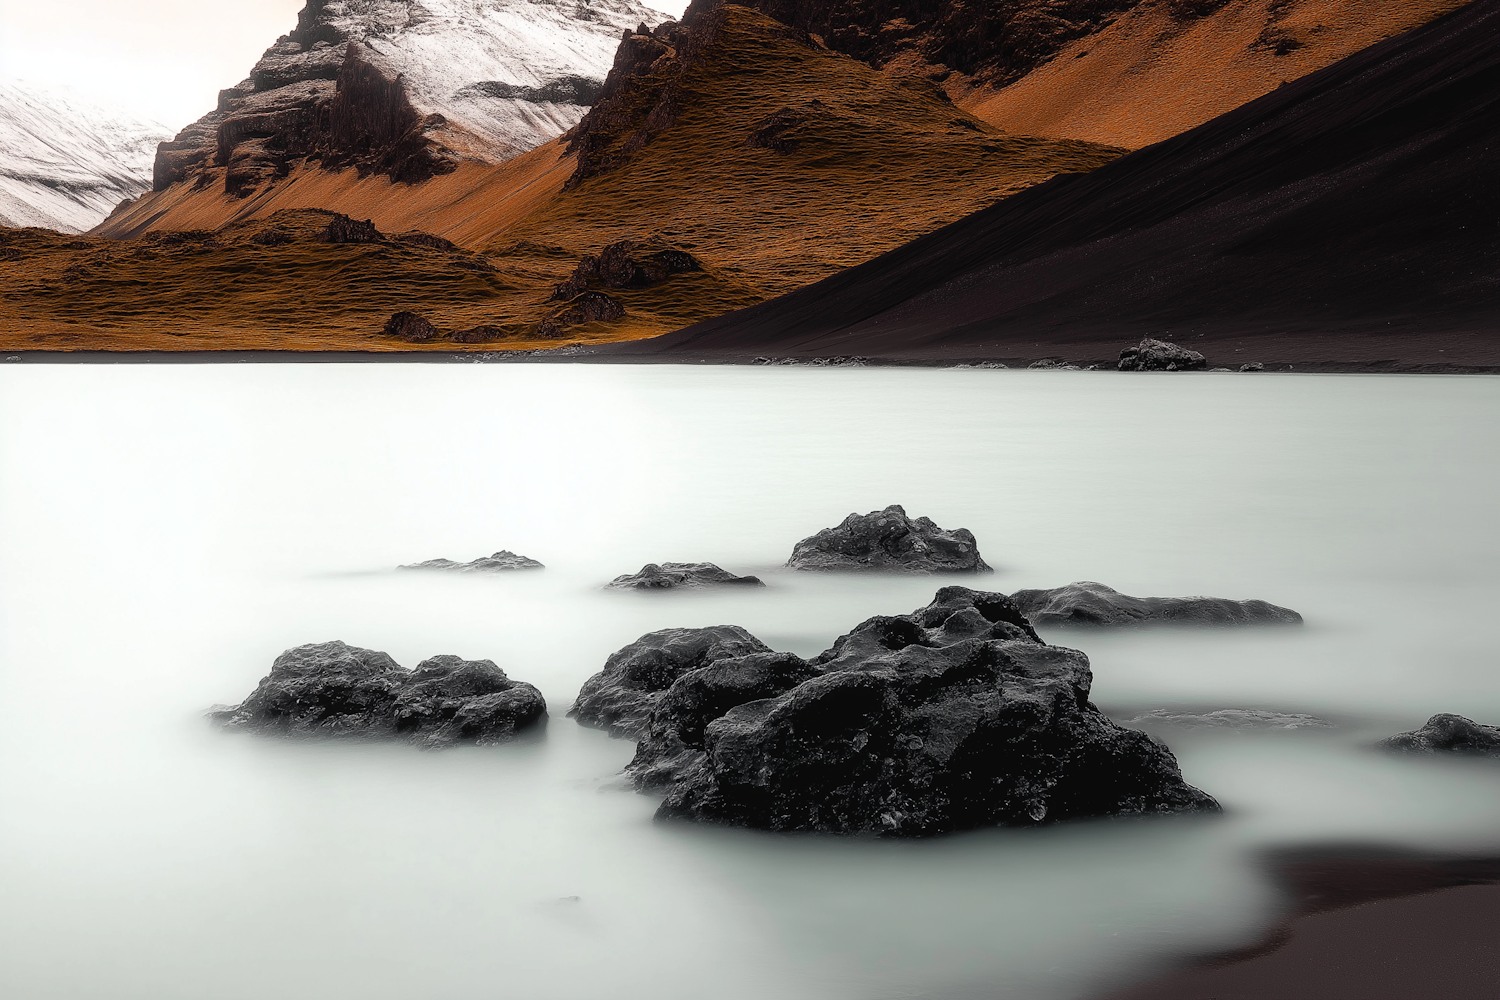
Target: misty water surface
column 166, row 531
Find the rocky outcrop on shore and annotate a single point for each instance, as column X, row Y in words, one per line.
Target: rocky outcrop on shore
column 955, row 716
column 887, row 540
column 333, row 689
column 501, row 562
column 669, row 575
column 1448, row 733
column 1089, row 603
column 1152, row 355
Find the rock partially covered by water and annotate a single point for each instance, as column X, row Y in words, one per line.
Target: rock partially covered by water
column 333, row 689
column 889, row 540
column 502, row 561
column 1152, row 355
column 1449, row 734
column 955, row 716
column 1089, row 603
column 620, row 697
column 664, row 576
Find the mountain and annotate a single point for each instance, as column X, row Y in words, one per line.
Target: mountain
column 65, row 161
column 765, row 158
column 1345, row 219
column 404, row 88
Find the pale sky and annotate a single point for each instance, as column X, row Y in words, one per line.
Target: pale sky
column 166, row 60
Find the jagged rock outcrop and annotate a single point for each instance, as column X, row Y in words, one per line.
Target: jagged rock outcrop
column 333, row 689
column 665, row 576
column 404, row 89
column 587, row 307
column 1089, row 603
column 1152, row 355
column 620, row 697
column 887, row 540
column 502, row 561
column 411, row 327
column 955, row 716
column 1448, row 733
column 627, row 264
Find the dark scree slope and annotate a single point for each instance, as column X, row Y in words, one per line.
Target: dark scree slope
column 1349, row 215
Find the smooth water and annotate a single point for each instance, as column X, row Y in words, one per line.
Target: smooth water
column 166, row 531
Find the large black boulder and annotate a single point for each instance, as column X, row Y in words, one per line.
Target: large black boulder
column 1152, row 355
column 1089, row 603
column 665, row 576
column 889, row 540
column 620, row 697
column 955, row 716
column 1449, row 734
column 502, row 561
column 333, row 689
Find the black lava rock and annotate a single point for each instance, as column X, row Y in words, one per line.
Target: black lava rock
column 663, row 576
column 1160, row 356
column 333, row 689
column 1089, row 603
column 342, row 229
column 889, row 540
column 500, row 562
column 1449, row 734
column 411, row 327
column 955, row 716
column 620, row 697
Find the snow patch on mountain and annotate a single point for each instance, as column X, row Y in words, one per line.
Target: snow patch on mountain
column 66, row 161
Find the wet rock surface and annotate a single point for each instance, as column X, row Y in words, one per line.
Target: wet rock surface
column 1152, row 355
column 665, row 576
column 1089, row 603
column 887, row 540
column 1448, row 733
column 955, row 716
column 334, row 689
column 501, row 562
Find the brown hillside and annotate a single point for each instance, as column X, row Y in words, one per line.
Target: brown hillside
column 772, row 160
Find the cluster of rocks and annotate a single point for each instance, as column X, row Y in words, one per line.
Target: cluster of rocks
column 333, row 689
column 586, row 307
column 627, row 264
column 501, row 562
column 889, row 540
column 952, row 717
column 1089, row 603
column 671, row 575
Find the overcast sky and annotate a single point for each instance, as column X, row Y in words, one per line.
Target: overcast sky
column 166, row 60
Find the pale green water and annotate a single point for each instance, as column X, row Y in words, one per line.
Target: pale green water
column 165, row 532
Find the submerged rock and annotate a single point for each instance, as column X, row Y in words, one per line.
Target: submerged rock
column 955, row 716
column 1231, row 718
column 1152, row 355
column 500, row 562
column 620, row 697
column 1089, row 603
column 663, row 576
column 333, row 689
column 1449, row 734
column 889, row 540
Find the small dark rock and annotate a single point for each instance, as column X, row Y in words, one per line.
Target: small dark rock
column 1054, row 364
column 769, row 132
column 1152, row 355
column 662, row 576
column 500, row 562
column 1449, row 734
column 620, row 697
column 481, row 334
column 1089, row 603
column 627, row 264
column 889, row 540
column 332, row 689
column 411, row 327
column 275, row 236
column 955, row 716
column 588, row 307
column 1253, row 366
column 417, row 238
column 342, row 229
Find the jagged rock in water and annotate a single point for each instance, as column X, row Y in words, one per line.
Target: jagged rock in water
column 663, row 576
column 410, row 326
column 1447, row 733
column 953, row 717
column 1230, row 718
column 342, row 229
column 333, row 689
column 588, row 307
column 1089, row 603
column 620, row 697
column 627, row 264
column 889, row 540
column 1159, row 356
column 502, row 561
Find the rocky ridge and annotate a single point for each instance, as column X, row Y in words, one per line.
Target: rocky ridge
column 1087, row 603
